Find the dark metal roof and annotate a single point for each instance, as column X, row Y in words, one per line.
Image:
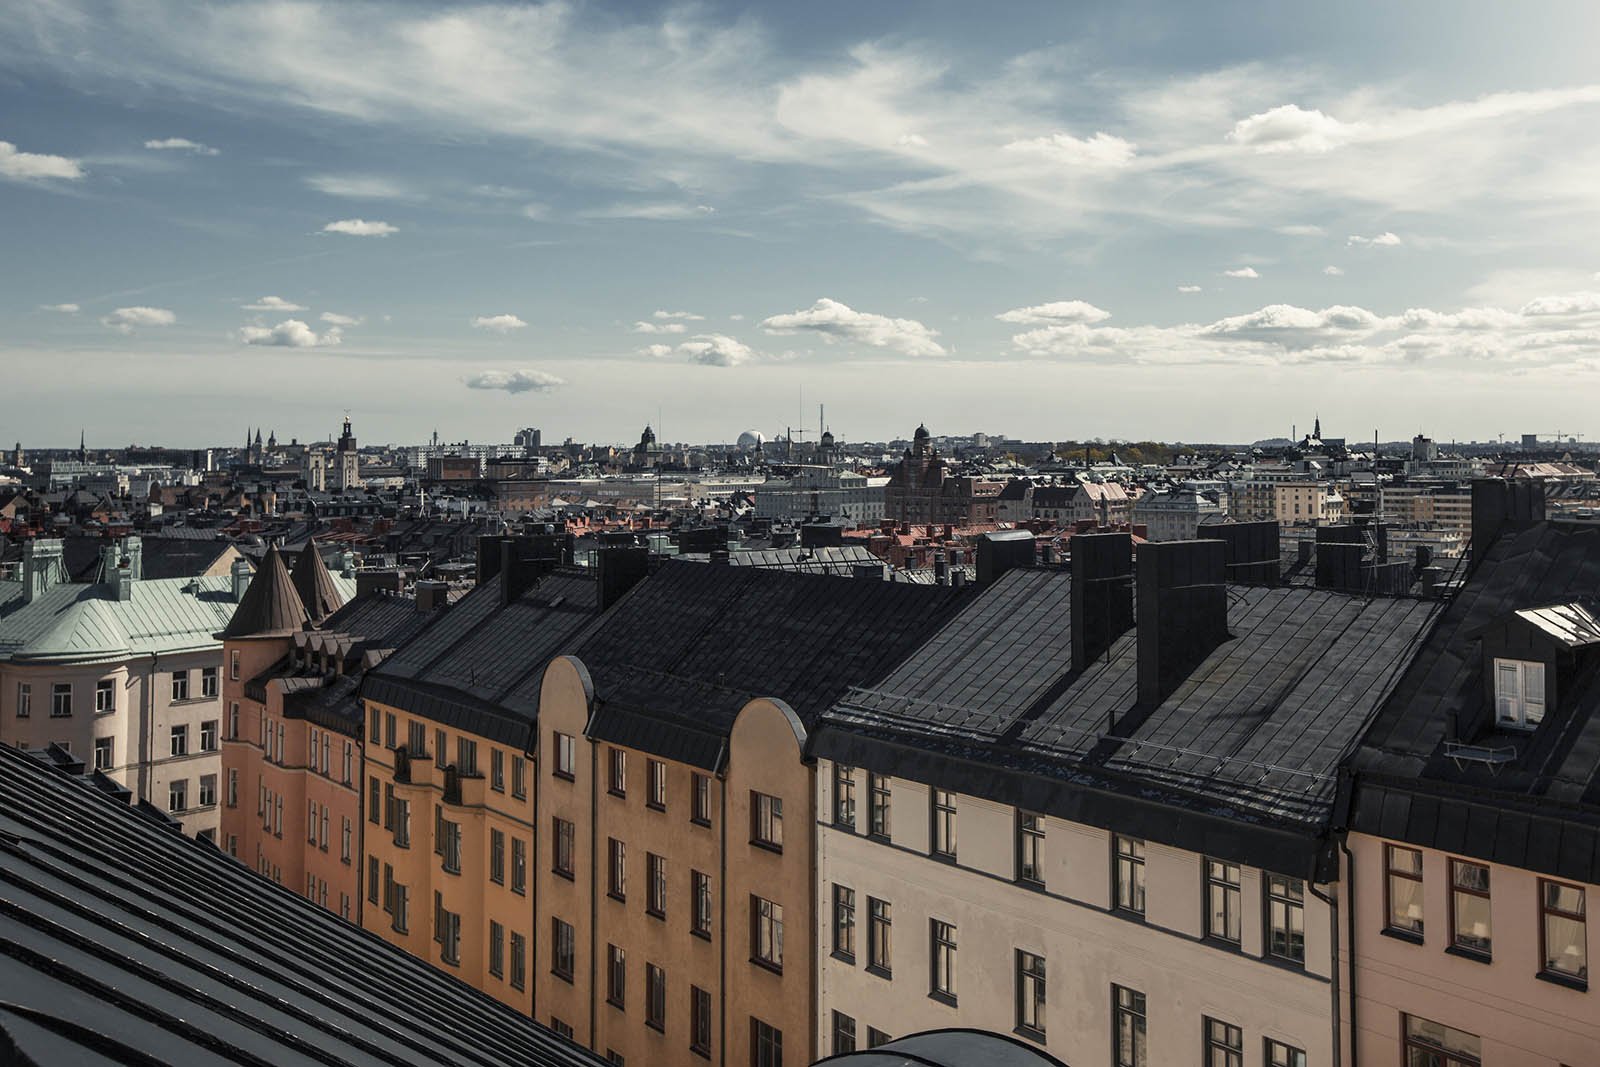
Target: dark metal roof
column 1241, row 758
column 686, row 649
column 318, row 593
column 270, row 605
column 121, row 941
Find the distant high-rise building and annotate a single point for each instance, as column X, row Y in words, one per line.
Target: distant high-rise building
column 347, row 460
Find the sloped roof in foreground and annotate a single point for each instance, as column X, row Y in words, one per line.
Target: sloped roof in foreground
column 124, row 942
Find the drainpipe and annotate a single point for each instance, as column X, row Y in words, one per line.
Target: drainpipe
column 594, row 886
column 1332, row 901
column 722, row 916
column 1350, row 923
column 146, row 730
column 533, row 879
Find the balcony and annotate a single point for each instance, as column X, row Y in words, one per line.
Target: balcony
column 463, row 789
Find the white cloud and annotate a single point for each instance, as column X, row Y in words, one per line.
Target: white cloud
column 1290, row 128
column 716, row 350
column 498, row 323
column 1101, row 150
column 361, row 187
column 687, row 315
column 1188, row 288
column 333, row 318
column 911, row 140
column 360, row 228
column 1382, row 240
column 1331, row 271
column 514, row 381
column 126, row 320
column 182, row 144
column 659, row 327
column 272, row 303
column 33, row 166
column 1298, row 229
column 656, row 351
column 1565, row 304
column 835, row 321
column 65, row 309
column 1242, row 272
column 1060, row 312
column 290, row 333
column 536, row 211
column 736, row 318
column 664, row 211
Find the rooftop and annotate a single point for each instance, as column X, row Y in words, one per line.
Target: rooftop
column 82, row 622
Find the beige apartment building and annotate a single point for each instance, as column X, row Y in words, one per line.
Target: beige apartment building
column 1307, row 504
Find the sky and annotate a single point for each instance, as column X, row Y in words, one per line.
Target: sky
column 1189, row 222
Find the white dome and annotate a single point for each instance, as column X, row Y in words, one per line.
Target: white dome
column 751, row 438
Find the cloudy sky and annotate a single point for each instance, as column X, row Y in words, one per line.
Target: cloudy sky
column 1188, row 221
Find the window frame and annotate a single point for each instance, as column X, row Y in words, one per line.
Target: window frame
column 1221, row 1038
column 105, row 688
column 563, row 949
column 942, row 824
column 655, row 997
column 942, row 961
column 1470, row 944
column 701, row 814
column 1224, row 885
column 766, row 821
column 1129, row 1006
column 700, row 1017
column 1391, row 873
column 844, row 797
column 617, row 772
column 1128, row 875
column 1030, row 848
column 1290, row 905
column 1547, row 910
column 1031, row 978
column 880, row 812
column 880, row 937
column 655, row 897
column 655, row 784
column 563, row 846
column 617, row 977
column 844, row 923
column 616, row 869
column 1519, row 703
column 1280, row 1054
column 766, row 933
column 565, row 763
column 701, row 918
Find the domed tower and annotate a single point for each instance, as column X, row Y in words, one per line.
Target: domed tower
column 825, row 448
column 921, row 441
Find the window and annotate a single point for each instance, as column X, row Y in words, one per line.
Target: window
column 105, row 696
column 1430, row 1044
column 617, row 777
column 441, row 751
column 616, row 869
column 180, row 686
column 497, row 770
column 372, row 880
column 346, row 834
column 1222, row 901
column 1561, row 924
column 942, row 979
column 616, row 976
column 563, row 949
column 389, row 730
column 1030, row 847
column 1128, row 874
column 1030, row 993
column 497, row 949
column 766, row 1045
column 766, row 933
column 655, row 997
column 844, row 923
column 233, row 667
column 25, row 700
column 452, row 843
column 701, row 886
column 1469, row 907
column 449, row 935
column 844, row 1033
column 700, row 1021
column 1404, row 888
column 233, row 722
column 519, row 866
column 104, row 753
column 61, row 700
column 566, row 761
column 467, row 756
column 944, row 824
column 844, row 797
column 655, row 901
column 208, row 682
column 373, row 803
column 376, row 733
column 766, row 821
column 657, row 796
column 179, row 741
column 1129, row 1040
column 1286, row 918
column 349, row 761
column 878, row 806
column 562, row 1027
column 702, row 800
column 208, row 790
column 561, row 848
column 1281, row 1055
column 1224, row 1044
column 208, row 736
column 416, row 738
column 519, row 777
column 178, row 795
column 1518, row 693
column 880, row 942
column 519, row 961
column 497, row 856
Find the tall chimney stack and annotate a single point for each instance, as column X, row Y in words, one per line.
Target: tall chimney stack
column 1182, row 612
column 1102, row 594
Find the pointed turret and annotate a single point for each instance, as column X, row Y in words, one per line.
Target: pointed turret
column 318, row 593
column 270, row 606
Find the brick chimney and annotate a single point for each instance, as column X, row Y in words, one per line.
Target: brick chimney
column 1102, row 594
column 1001, row 551
column 618, row 568
column 1182, row 612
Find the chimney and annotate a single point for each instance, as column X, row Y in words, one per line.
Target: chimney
column 373, row 581
column 872, row 572
column 133, row 552
column 1339, row 552
column 1182, row 612
column 1001, row 551
column 523, row 561
column 941, row 569
column 431, row 595
column 41, row 567
column 618, row 568
column 241, row 573
column 1102, row 594
column 122, row 584
column 1498, row 503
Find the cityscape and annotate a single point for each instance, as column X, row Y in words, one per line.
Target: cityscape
column 890, row 659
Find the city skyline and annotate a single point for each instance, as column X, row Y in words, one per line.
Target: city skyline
column 1383, row 218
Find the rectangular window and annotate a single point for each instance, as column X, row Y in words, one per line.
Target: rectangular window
column 416, row 739
column 208, row 790
column 1286, row 918
column 208, row 682
column 450, row 937
column 179, row 741
column 1030, row 993
column 766, row 821
column 880, row 936
column 105, row 696
column 844, row 1033
column 1222, row 901
column 376, row 733
column 497, row 949
column 452, row 847
column 374, row 804
column 61, row 700
column 656, row 795
column 178, row 795
column 700, row 1021
column 349, row 762
column 655, row 997
column 1403, row 867
column 1129, row 1026
column 104, row 753
column 1224, row 1044
column 497, row 770
column 441, row 750
column 616, row 869
column 701, row 887
column 1518, row 693
column 519, row 777
column 180, row 686
column 208, row 736
column 372, row 879
column 1281, row 1055
column 766, row 1045
column 519, row 961
column 617, row 773
column 876, row 1037
column 1563, row 931
column 878, row 806
column 655, row 901
column 519, row 866
column 402, row 831
column 942, row 976
column 25, row 700
column 1030, row 848
column 1430, row 1044
column 562, row 1027
column 844, row 797
column 497, row 857
column 561, row 847
column 1128, row 875
column 390, row 730
column 1469, row 907
column 766, row 933
column 565, row 764
column 616, row 977
column 233, row 721
column 944, row 824
column 563, row 949
column 467, row 756
column 346, row 836
column 844, row 923
column 233, row 664
column 702, row 800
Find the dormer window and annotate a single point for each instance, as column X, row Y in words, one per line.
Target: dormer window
column 1519, row 693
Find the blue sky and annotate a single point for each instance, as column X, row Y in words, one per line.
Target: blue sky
column 1188, row 221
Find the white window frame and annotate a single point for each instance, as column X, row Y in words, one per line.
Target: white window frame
column 1514, row 707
